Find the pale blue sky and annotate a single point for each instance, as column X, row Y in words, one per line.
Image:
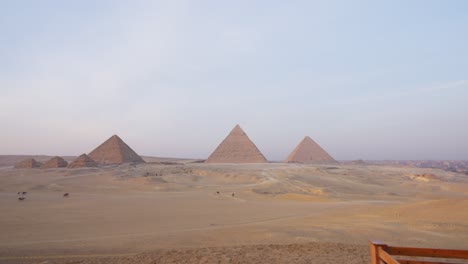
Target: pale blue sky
column 365, row 79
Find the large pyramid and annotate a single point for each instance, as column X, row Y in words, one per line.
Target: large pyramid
column 236, row 148
column 309, row 152
column 83, row 161
column 115, row 151
column 55, row 162
column 28, row 164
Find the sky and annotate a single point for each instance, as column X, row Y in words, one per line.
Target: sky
column 365, row 79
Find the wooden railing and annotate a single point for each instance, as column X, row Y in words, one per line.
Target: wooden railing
column 382, row 253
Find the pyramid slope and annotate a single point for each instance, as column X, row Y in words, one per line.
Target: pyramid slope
column 115, row 151
column 309, row 152
column 83, row 161
column 28, row 164
column 236, row 148
column 55, row 162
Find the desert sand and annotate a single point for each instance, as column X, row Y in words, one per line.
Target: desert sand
column 171, row 212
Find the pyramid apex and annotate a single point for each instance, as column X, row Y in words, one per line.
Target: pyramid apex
column 116, row 137
column 309, row 140
column 237, row 130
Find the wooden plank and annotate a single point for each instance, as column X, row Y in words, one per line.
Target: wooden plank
column 407, row 261
column 428, row 252
column 373, row 254
column 383, row 255
column 374, row 251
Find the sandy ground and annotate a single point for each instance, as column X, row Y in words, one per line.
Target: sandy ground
column 154, row 213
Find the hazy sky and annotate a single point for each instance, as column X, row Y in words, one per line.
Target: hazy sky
column 365, row 79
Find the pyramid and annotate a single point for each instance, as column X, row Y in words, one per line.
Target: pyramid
column 28, row 164
column 236, row 148
column 55, row 162
column 309, row 152
column 83, row 161
column 115, row 151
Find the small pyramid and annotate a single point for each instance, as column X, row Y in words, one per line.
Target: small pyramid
column 309, row 152
column 115, row 151
column 55, row 162
column 236, row 148
column 28, row 164
column 83, row 161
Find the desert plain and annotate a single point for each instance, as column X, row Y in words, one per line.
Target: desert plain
column 184, row 211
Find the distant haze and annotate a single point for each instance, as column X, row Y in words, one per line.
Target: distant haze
column 364, row 79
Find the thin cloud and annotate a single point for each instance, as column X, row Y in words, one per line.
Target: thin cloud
column 451, row 85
